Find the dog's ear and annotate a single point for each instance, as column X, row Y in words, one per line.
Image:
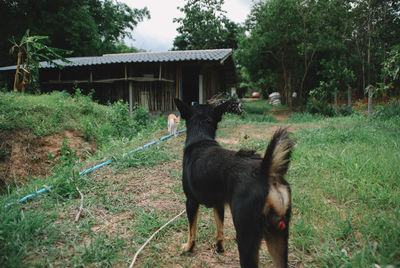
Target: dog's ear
column 184, row 109
column 221, row 109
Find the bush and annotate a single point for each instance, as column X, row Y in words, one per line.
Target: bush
column 126, row 125
column 388, row 111
column 344, row 110
column 314, row 106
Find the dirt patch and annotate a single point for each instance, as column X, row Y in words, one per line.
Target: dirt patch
column 24, row 155
column 249, row 131
column 280, row 114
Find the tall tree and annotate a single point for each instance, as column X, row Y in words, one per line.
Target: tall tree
column 87, row 27
column 205, row 25
column 376, row 28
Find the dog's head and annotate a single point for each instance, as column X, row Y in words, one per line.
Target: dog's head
column 202, row 115
column 202, row 111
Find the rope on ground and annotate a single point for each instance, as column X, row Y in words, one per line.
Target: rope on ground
column 81, row 206
column 151, row 237
column 47, row 188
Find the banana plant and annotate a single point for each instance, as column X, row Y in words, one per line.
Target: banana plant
column 31, row 50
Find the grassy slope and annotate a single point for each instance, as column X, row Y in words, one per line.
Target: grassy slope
column 345, row 182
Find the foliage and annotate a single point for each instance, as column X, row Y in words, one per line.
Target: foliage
column 292, row 45
column 31, row 50
column 281, row 53
column 389, row 112
column 337, row 78
column 315, row 106
column 88, row 27
column 125, row 124
column 52, row 113
column 205, row 25
column 391, row 71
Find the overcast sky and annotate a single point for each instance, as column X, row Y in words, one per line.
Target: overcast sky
column 158, row 33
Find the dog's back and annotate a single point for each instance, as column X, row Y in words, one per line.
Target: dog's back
column 253, row 186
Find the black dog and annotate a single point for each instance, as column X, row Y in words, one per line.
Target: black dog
column 254, row 187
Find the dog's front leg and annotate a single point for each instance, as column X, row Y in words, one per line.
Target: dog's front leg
column 192, row 211
column 219, row 211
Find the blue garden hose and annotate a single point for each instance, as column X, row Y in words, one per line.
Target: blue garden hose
column 41, row 191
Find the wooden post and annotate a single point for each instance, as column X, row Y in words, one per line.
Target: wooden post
column 335, row 101
column 201, row 101
column 125, row 72
column 349, row 96
column 369, row 100
column 130, row 97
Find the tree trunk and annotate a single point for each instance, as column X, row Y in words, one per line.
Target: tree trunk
column 349, row 96
column 369, row 100
column 369, row 60
column 335, row 101
column 290, row 91
column 285, row 85
column 16, row 77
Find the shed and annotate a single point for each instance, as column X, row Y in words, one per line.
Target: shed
column 151, row 79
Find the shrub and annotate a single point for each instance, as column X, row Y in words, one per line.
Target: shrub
column 388, row 111
column 344, row 110
column 126, row 125
column 314, row 106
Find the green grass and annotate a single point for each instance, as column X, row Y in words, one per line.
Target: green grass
column 345, row 179
column 345, row 184
column 260, row 107
column 47, row 114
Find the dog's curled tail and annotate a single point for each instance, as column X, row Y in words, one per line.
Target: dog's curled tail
column 277, row 157
column 273, row 168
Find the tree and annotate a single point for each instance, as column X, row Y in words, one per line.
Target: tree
column 86, row 27
column 205, row 26
column 272, row 44
column 30, row 51
column 289, row 39
column 376, row 28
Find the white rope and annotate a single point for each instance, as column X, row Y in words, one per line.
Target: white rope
column 151, row 237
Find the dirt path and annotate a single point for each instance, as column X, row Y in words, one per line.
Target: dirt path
column 280, row 114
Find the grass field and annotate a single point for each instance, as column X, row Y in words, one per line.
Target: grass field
column 344, row 174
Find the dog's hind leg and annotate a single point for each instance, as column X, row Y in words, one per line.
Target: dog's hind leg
column 219, row 211
column 248, row 241
column 192, row 211
column 278, row 247
column 248, row 234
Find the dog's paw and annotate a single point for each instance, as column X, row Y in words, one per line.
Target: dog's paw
column 220, row 246
column 188, row 247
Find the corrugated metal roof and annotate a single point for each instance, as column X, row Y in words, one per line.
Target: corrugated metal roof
column 169, row 56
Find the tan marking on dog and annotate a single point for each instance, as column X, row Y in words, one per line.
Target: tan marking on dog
column 278, row 199
column 276, row 248
column 278, row 158
column 219, row 234
column 191, row 235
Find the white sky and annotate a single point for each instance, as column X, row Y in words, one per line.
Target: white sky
column 158, row 33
